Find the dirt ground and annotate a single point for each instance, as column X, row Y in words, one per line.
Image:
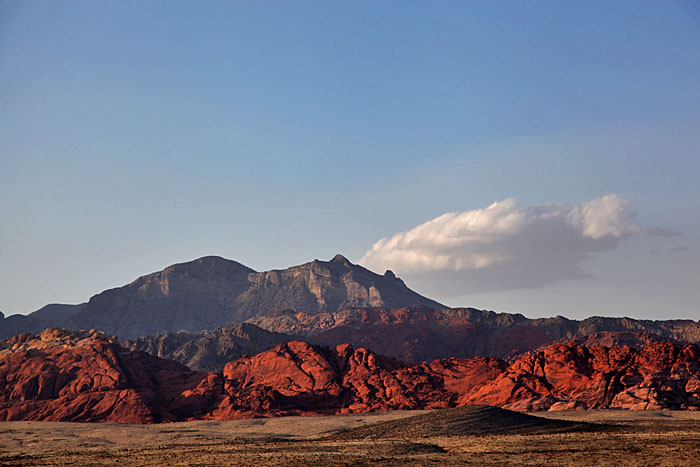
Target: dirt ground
column 628, row 438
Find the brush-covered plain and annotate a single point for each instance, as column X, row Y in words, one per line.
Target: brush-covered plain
column 475, row 435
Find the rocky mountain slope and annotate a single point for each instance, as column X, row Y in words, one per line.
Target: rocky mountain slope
column 412, row 335
column 211, row 292
column 85, row 376
column 209, row 350
column 298, row 377
column 37, row 321
column 567, row 376
column 417, row 334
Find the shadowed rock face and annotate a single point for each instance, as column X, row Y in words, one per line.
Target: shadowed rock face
column 211, row 292
column 85, row 376
column 418, row 334
column 412, row 335
column 209, row 350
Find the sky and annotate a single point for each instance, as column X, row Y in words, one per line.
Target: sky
column 530, row 157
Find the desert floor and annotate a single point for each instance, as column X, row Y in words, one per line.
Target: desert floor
column 627, row 438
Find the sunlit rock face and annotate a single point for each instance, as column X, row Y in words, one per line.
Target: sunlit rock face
column 86, row 376
column 299, row 377
column 564, row 376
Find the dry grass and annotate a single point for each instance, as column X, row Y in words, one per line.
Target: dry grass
column 636, row 438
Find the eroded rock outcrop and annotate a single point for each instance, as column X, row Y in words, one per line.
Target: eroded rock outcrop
column 298, row 377
column 85, row 376
column 569, row 376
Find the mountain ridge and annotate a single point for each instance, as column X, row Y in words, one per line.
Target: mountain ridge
column 211, row 292
column 411, row 335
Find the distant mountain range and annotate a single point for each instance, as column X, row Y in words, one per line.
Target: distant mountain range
column 209, row 311
column 212, row 292
column 411, row 335
column 323, row 337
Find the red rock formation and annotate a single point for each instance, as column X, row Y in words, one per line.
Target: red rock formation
column 298, row 377
column 661, row 376
column 85, row 376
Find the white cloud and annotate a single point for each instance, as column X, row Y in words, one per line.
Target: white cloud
column 505, row 245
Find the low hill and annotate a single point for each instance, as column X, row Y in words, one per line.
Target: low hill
column 463, row 421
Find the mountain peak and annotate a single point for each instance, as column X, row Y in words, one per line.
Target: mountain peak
column 340, row 259
column 210, row 292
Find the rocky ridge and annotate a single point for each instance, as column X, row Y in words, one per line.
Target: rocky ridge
column 416, row 334
column 86, row 376
column 209, row 350
column 212, row 292
column 411, row 335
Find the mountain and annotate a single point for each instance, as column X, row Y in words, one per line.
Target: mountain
column 47, row 316
column 416, row 334
column 412, row 335
column 211, row 292
column 209, row 350
column 85, row 376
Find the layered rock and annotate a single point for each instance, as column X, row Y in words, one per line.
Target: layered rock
column 212, row 292
column 85, row 376
column 569, row 376
column 298, row 377
column 412, row 335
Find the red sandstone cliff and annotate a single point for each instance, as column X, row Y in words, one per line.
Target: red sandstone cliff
column 85, row 376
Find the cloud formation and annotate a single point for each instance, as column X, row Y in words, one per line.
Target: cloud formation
column 505, row 245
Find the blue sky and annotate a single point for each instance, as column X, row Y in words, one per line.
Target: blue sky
column 134, row 135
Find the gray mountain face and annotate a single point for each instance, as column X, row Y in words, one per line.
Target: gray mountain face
column 35, row 322
column 209, row 350
column 211, row 292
